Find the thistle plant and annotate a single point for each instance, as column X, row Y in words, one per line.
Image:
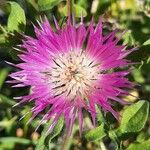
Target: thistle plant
column 75, row 69
column 68, row 70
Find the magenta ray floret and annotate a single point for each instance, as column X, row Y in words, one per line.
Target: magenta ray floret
column 70, row 69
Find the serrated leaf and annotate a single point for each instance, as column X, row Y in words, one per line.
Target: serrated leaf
column 147, row 42
column 16, row 19
column 96, row 133
column 47, row 4
column 134, row 117
column 140, row 146
column 78, row 10
column 57, row 129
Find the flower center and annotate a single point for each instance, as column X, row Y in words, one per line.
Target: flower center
column 73, row 75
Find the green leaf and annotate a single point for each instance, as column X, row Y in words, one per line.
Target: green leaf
column 137, row 75
column 6, row 146
column 3, row 75
column 2, row 38
column 134, row 117
column 47, row 4
column 44, row 137
column 140, row 146
column 57, row 129
column 128, row 38
column 16, row 19
column 3, row 35
column 96, row 134
column 5, row 123
column 147, row 42
column 85, row 4
column 33, row 3
column 78, row 10
column 6, row 100
column 15, row 140
column 142, row 136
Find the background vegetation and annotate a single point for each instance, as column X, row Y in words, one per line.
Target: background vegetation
column 133, row 130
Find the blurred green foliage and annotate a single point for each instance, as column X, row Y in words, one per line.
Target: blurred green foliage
column 132, row 132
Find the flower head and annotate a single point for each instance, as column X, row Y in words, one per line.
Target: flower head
column 70, row 69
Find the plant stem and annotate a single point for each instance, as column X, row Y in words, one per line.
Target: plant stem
column 65, row 144
column 3, row 29
column 69, row 9
column 102, row 146
column 70, row 4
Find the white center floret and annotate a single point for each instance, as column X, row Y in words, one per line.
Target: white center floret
column 73, row 74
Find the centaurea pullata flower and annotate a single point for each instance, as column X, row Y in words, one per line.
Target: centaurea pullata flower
column 70, row 69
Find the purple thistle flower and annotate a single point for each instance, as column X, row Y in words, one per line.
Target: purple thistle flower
column 70, row 69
